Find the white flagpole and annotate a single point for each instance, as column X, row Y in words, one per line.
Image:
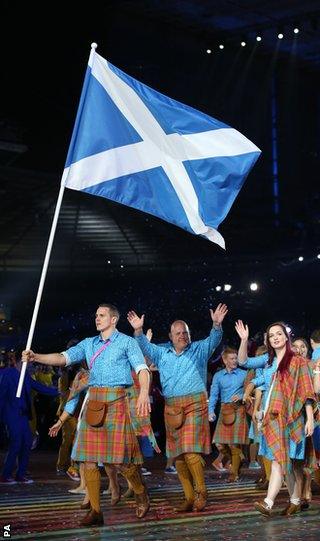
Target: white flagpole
column 45, row 267
column 41, row 284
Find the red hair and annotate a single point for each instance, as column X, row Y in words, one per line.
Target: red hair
column 286, row 359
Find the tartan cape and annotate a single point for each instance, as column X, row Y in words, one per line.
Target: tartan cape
column 285, row 417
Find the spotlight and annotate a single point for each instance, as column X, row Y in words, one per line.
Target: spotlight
column 243, row 43
column 109, row 262
column 227, row 287
column 218, row 288
column 280, row 35
column 318, row 256
column 258, row 38
column 301, row 258
column 254, row 286
column 209, row 51
column 221, row 46
column 296, row 30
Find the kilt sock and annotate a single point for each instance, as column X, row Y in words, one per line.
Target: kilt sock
column 267, row 467
column 195, row 464
column 132, row 474
column 317, row 476
column 92, row 477
column 185, row 479
column 235, row 460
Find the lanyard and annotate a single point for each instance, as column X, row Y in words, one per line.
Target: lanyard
column 93, row 358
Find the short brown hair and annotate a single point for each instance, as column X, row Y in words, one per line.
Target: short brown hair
column 228, row 351
column 112, row 309
column 315, row 336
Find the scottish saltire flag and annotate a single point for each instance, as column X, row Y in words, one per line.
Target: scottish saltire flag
column 140, row 148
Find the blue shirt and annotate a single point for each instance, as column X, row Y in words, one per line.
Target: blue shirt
column 10, row 405
column 264, row 378
column 226, row 385
column 181, row 373
column 315, row 354
column 112, row 367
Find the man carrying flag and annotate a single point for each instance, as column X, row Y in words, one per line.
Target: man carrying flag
column 105, row 433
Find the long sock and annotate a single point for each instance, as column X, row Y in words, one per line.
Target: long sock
column 235, row 460
column 306, row 492
column 195, row 465
column 267, row 467
column 112, row 474
column 92, row 477
column 317, row 476
column 185, row 478
column 275, row 482
column 132, row 474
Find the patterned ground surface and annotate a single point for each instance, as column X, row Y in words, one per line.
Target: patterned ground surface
column 45, row 510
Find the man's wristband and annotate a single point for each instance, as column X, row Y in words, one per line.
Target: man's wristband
column 61, row 422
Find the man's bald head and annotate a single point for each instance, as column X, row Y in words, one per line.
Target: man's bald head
column 179, row 335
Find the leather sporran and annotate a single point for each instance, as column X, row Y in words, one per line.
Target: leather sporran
column 174, row 416
column 228, row 412
column 96, row 413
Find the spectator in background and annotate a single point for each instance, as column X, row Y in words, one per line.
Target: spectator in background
column 16, row 413
column 64, row 462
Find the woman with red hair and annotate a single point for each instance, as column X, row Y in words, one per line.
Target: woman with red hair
column 287, row 413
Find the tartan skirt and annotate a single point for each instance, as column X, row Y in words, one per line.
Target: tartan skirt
column 141, row 425
column 194, row 434
column 113, row 443
column 235, row 433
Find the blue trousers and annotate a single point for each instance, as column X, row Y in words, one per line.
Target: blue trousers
column 20, row 441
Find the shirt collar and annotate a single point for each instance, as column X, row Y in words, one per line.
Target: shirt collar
column 111, row 338
column 225, row 371
column 171, row 348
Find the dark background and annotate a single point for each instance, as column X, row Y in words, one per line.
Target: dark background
column 106, row 252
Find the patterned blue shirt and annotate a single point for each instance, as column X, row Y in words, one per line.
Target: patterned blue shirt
column 181, row 373
column 315, row 354
column 264, row 378
column 112, row 367
column 226, row 385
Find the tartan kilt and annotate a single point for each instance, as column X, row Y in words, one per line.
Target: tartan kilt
column 235, row 433
column 113, row 443
column 141, row 425
column 194, row 435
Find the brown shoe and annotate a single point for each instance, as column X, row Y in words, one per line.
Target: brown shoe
column 200, row 501
column 92, row 518
column 263, row 508
column 304, row 505
column 185, row 507
column 86, row 505
column 142, row 504
column 291, row 509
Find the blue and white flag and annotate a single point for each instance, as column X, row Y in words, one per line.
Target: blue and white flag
column 140, row 148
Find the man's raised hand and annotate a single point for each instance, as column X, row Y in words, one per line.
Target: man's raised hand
column 135, row 321
column 219, row 314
